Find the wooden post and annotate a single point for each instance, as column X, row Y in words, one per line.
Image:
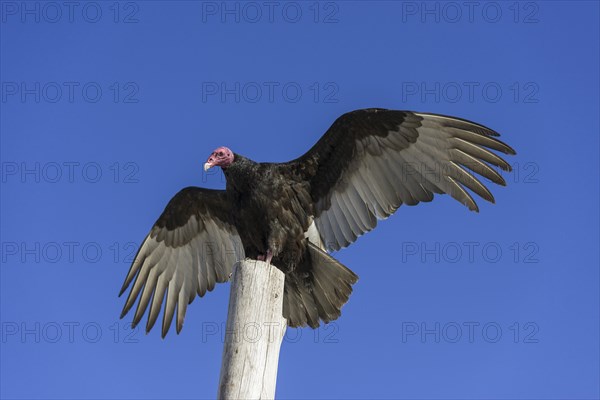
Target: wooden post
column 255, row 329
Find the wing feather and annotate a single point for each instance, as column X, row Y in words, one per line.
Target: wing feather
column 182, row 256
column 172, row 293
column 372, row 161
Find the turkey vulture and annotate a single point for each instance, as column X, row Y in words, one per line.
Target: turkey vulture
column 367, row 164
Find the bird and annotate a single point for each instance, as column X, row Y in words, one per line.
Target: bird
column 294, row 214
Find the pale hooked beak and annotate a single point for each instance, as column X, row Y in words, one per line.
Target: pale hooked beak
column 207, row 166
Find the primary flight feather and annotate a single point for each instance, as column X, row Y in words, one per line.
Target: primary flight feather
column 367, row 164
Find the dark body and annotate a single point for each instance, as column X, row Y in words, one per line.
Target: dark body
column 368, row 164
column 271, row 211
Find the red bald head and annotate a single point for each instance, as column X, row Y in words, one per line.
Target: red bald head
column 221, row 157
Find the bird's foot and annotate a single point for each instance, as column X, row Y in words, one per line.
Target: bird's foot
column 269, row 256
column 265, row 257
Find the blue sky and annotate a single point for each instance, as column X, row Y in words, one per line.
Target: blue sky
column 108, row 109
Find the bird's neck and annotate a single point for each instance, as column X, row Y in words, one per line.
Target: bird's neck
column 241, row 174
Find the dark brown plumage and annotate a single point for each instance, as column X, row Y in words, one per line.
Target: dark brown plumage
column 367, row 164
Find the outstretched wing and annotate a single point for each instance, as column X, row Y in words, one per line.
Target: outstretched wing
column 191, row 246
column 372, row 161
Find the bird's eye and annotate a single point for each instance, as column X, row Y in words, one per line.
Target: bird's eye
column 220, row 154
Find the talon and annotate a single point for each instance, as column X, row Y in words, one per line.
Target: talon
column 269, row 256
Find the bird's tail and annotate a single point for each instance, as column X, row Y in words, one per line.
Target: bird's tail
column 317, row 289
